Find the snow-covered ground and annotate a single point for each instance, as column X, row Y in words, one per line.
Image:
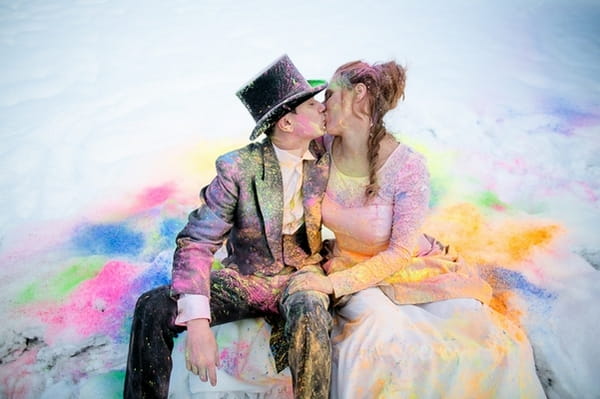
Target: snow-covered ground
column 112, row 113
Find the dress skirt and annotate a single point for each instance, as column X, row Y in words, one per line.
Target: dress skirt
column 457, row 348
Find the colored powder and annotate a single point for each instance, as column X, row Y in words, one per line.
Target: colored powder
column 157, row 274
column 162, row 237
column 217, row 265
column 154, row 196
column 108, row 385
column 64, row 283
column 521, row 240
column 199, row 159
column 586, row 191
column 169, row 228
column 108, row 239
column 508, row 284
column 438, row 189
column 505, row 279
column 234, row 357
column 29, row 294
column 97, row 306
column 572, row 117
column 489, row 199
column 484, row 240
column 501, row 303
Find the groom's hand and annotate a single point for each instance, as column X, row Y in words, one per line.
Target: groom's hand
column 201, row 352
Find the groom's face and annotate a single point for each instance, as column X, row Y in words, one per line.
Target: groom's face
column 308, row 119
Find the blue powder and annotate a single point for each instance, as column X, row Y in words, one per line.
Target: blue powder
column 570, row 116
column 108, row 239
column 510, row 279
column 169, row 228
column 159, row 273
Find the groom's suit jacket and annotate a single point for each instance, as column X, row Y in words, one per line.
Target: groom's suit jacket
column 243, row 205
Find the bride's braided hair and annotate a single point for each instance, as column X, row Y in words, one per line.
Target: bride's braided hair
column 385, row 86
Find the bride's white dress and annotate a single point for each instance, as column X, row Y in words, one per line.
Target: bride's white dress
column 425, row 338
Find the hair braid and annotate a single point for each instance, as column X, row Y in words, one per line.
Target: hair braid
column 376, row 133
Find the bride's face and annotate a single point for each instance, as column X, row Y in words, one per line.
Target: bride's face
column 338, row 107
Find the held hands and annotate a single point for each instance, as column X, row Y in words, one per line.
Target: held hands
column 201, row 352
column 310, row 282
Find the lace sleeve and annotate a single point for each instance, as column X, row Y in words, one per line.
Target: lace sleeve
column 411, row 203
column 410, row 206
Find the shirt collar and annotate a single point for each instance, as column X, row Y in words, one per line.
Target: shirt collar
column 287, row 158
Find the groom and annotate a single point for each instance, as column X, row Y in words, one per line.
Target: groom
column 265, row 202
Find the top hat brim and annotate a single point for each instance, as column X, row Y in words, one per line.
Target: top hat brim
column 274, row 114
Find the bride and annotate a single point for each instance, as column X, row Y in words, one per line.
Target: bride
column 411, row 323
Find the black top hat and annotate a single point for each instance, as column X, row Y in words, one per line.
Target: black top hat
column 275, row 91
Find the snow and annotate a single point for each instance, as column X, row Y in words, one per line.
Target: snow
column 106, row 104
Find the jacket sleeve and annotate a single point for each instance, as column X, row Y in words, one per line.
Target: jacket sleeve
column 410, row 207
column 205, row 232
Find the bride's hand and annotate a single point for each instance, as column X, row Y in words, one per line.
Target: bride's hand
column 337, row 264
column 310, row 282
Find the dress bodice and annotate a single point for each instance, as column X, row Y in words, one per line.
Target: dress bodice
column 364, row 228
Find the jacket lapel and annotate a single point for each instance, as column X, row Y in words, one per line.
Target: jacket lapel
column 269, row 191
column 313, row 187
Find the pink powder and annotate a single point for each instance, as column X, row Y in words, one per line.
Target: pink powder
column 98, row 305
column 154, row 196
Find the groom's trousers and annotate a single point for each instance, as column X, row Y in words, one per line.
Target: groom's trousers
column 233, row 297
